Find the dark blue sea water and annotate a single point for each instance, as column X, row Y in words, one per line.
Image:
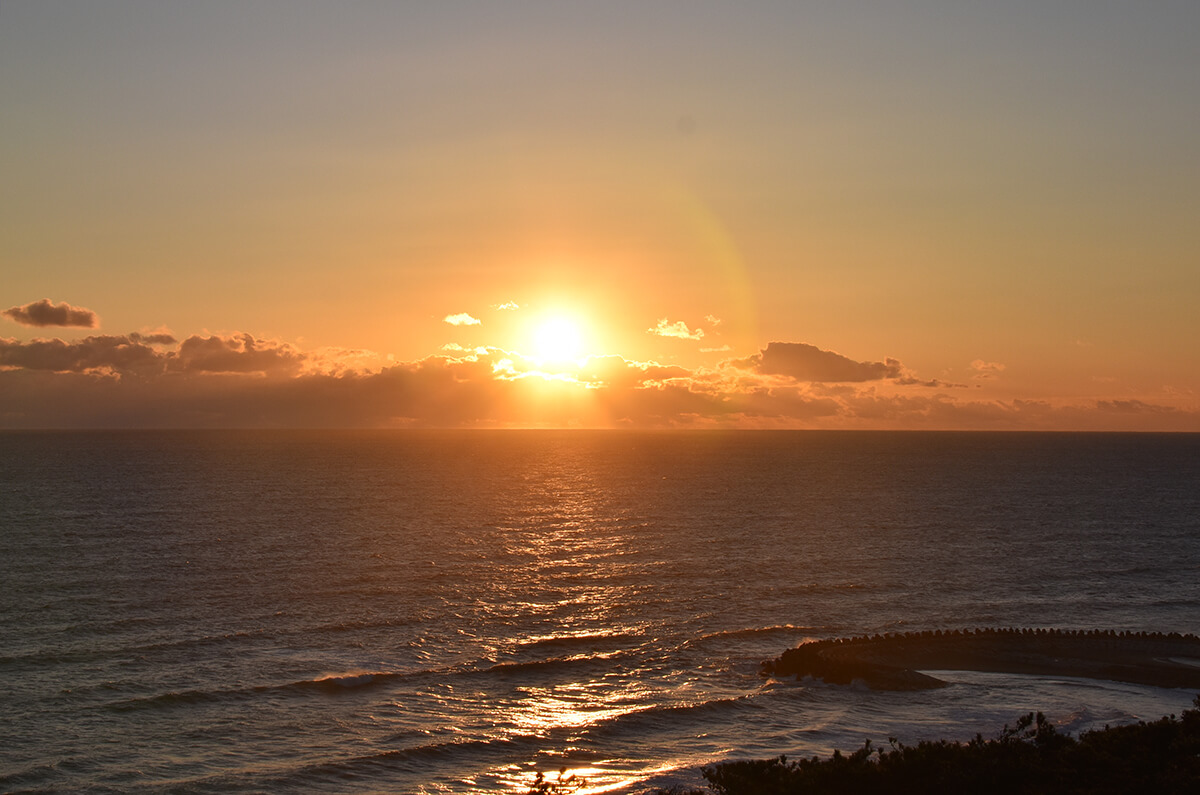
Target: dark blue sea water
column 452, row 611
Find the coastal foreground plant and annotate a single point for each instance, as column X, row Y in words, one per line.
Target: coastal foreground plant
column 563, row 785
column 1162, row 756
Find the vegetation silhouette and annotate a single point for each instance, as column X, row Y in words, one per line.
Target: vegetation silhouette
column 563, row 785
column 1162, row 756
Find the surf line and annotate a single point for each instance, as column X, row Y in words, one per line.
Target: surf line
column 894, row 661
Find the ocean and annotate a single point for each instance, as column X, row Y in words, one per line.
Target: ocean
column 453, row 611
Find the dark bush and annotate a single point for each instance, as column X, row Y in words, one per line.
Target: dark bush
column 1161, row 757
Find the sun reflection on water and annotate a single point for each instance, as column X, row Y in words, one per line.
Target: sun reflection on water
column 583, row 780
column 576, row 576
column 569, row 706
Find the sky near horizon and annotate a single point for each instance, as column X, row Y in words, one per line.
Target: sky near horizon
column 673, row 214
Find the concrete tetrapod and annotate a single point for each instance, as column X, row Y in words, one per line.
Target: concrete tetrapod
column 894, row 661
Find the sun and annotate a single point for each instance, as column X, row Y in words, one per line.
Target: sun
column 558, row 338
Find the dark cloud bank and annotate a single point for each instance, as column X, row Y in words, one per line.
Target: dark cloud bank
column 237, row 381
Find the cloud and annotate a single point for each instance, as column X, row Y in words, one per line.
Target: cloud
column 805, row 362
column 44, row 313
column 100, row 355
column 1132, row 407
column 621, row 373
column 132, row 354
column 677, row 329
column 462, row 319
column 713, row 320
column 508, row 305
column 237, row 380
column 329, row 360
column 910, row 380
column 984, row 370
column 239, row 353
column 154, row 338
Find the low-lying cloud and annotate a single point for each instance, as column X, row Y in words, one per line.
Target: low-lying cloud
column 240, row 353
column 805, row 362
column 100, row 354
column 238, row 380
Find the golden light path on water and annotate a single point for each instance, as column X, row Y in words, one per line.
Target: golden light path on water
column 578, row 558
column 574, row 706
column 578, row 705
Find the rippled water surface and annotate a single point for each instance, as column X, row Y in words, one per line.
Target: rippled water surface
column 453, row 611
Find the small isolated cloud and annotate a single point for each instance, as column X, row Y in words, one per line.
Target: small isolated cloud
column 678, row 329
column 722, row 349
column 713, row 320
column 45, row 313
column 511, row 305
column 986, row 369
column 805, row 362
column 462, row 319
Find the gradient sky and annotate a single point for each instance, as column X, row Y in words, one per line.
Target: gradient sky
column 878, row 214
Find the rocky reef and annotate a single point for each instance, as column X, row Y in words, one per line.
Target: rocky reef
column 893, row 661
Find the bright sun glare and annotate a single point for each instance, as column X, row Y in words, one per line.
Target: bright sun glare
column 558, row 339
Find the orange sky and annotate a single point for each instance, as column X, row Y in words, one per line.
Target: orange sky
column 860, row 215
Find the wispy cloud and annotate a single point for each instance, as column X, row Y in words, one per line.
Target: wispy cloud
column 508, row 305
column 678, row 329
column 985, row 370
column 46, row 313
column 462, row 319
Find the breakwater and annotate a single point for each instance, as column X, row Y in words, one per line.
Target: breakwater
column 894, row 661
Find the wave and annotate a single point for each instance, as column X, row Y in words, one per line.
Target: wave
column 591, row 640
column 754, row 632
column 332, row 684
column 674, row 718
column 334, row 776
column 355, row 680
column 345, row 682
column 171, row 699
column 553, row 663
column 91, row 653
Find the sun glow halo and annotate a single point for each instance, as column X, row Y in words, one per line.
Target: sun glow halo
column 558, row 339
